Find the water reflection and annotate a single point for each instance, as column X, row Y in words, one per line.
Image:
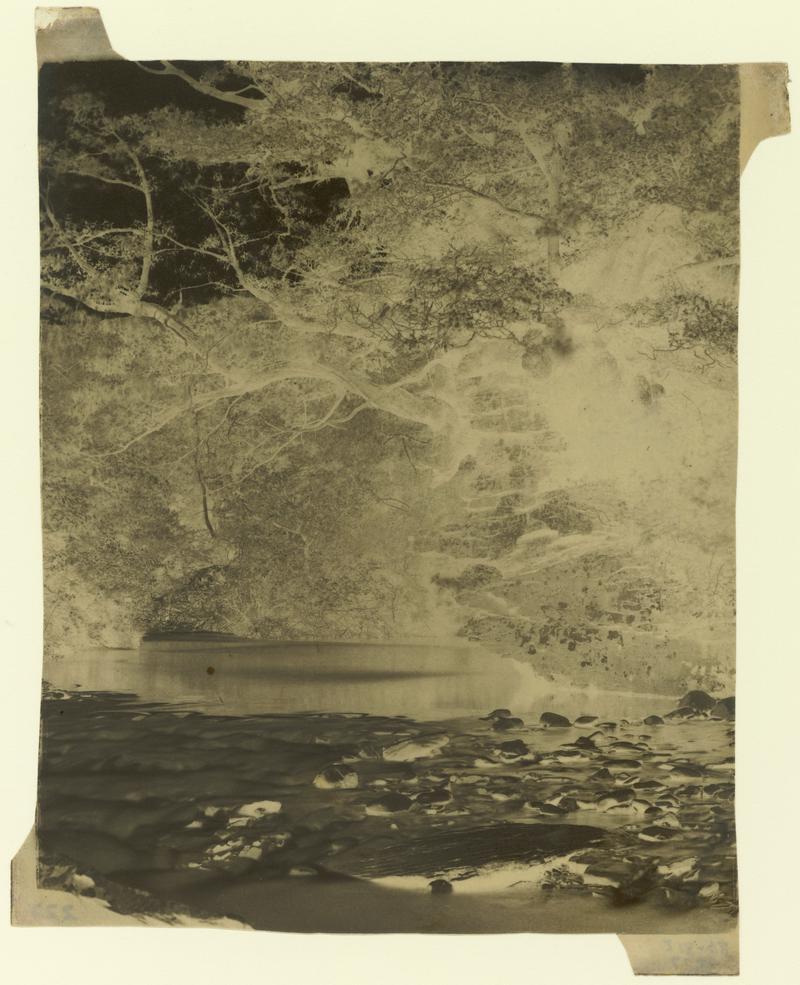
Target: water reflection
column 422, row 682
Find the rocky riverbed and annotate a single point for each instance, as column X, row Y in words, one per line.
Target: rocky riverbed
column 160, row 809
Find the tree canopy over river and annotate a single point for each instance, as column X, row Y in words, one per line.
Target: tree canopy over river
column 358, row 351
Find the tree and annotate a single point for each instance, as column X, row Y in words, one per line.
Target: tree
column 296, row 318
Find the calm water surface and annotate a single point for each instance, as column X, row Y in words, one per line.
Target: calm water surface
column 423, row 682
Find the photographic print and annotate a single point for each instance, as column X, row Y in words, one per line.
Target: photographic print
column 389, row 422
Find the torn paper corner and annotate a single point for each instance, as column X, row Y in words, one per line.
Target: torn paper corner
column 65, row 34
column 764, row 105
column 683, row 954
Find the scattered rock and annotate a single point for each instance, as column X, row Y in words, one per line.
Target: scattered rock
column 252, row 852
column 619, row 765
column 512, row 749
column 654, row 720
column 684, row 711
column 336, row 777
column 656, row 833
column 411, row 749
column 259, row 808
column 438, row 796
column 612, row 799
column 551, row 720
column 649, row 785
column 571, row 756
column 440, row 887
column 391, row 803
column 498, row 713
column 506, row 724
column 726, row 766
column 540, row 807
column 635, row 806
column 585, row 721
column 624, row 747
column 82, row 884
column 681, row 868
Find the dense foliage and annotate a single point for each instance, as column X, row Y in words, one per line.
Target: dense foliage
column 301, row 324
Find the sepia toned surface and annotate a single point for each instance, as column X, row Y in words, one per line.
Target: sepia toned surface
column 491, row 400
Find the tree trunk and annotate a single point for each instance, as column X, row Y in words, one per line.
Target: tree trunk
column 554, row 215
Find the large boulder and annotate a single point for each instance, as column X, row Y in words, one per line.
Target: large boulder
column 551, row 720
column 725, row 708
column 697, row 701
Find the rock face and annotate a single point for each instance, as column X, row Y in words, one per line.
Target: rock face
column 697, row 701
column 551, row 720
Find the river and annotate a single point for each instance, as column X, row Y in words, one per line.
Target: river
column 329, row 786
column 421, row 681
